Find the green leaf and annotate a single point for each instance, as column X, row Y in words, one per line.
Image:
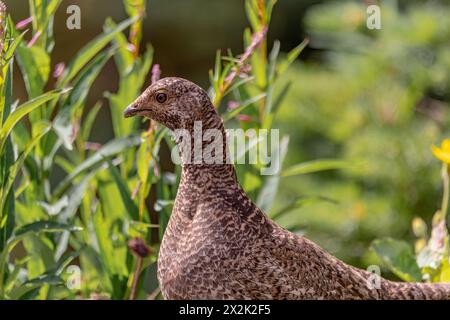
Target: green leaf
column 217, row 69
column 124, row 191
column 35, row 65
column 64, row 164
column 89, row 121
column 273, row 57
column 269, row 9
column 163, row 205
column 110, row 149
column 124, row 57
column 74, row 198
column 279, row 99
column 63, row 262
column 243, row 105
column 43, row 12
column 90, row 50
column 42, row 128
column 6, row 95
column 252, row 13
column 32, row 228
column 53, row 209
column 292, row 55
column 300, row 202
column 8, row 218
column 44, row 226
column 7, row 195
column 251, row 181
column 316, row 166
column 113, row 256
column 23, row 110
column 444, row 275
column 399, row 257
column 139, row 229
column 238, row 83
column 134, row 7
column 62, row 124
column 13, row 46
column 267, row 195
column 44, row 279
column 24, row 292
column 129, row 88
column 6, row 66
column 143, row 158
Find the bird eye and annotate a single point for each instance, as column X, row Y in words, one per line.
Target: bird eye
column 161, row 97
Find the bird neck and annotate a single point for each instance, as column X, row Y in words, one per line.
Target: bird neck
column 202, row 144
column 198, row 183
column 205, row 162
column 203, row 149
column 205, row 176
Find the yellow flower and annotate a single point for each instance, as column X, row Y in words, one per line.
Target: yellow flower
column 442, row 153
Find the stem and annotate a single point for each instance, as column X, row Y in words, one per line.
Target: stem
column 257, row 39
column 263, row 56
column 142, row 197
column 4, row 260
column 263, row 88
column 136, row 31
column 445, row 198
column 154, row 294
column 143, row 192
column 137, row 273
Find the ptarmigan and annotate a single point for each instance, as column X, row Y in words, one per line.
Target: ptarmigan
column 219, row 245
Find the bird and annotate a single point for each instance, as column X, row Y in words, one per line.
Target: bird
column 218, row 245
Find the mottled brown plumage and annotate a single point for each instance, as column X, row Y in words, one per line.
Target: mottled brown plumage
column 219, row 245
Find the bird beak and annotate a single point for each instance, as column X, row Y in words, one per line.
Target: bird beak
column 131, row 110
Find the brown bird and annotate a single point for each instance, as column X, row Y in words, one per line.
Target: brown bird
column 220, row 245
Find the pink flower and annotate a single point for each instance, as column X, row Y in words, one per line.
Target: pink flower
column 136, row 190
column 244, row 118
column 245, row 70
column 75, row 130
column 24, row 23
column 92, row 145
column 229, row 78
column 59, row 69
column 156, row 73
column 156, row 171
column 232, row 105
column 240, row 67
column 139, row 248
column 34, row 39
column 131, row 47
column 257, row 39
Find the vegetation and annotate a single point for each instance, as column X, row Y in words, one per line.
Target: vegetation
column 384, row 102
column 378, row 98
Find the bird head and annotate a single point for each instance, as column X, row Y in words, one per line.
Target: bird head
column 175, row 102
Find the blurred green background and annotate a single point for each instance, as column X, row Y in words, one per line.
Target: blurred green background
column 380, row 97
